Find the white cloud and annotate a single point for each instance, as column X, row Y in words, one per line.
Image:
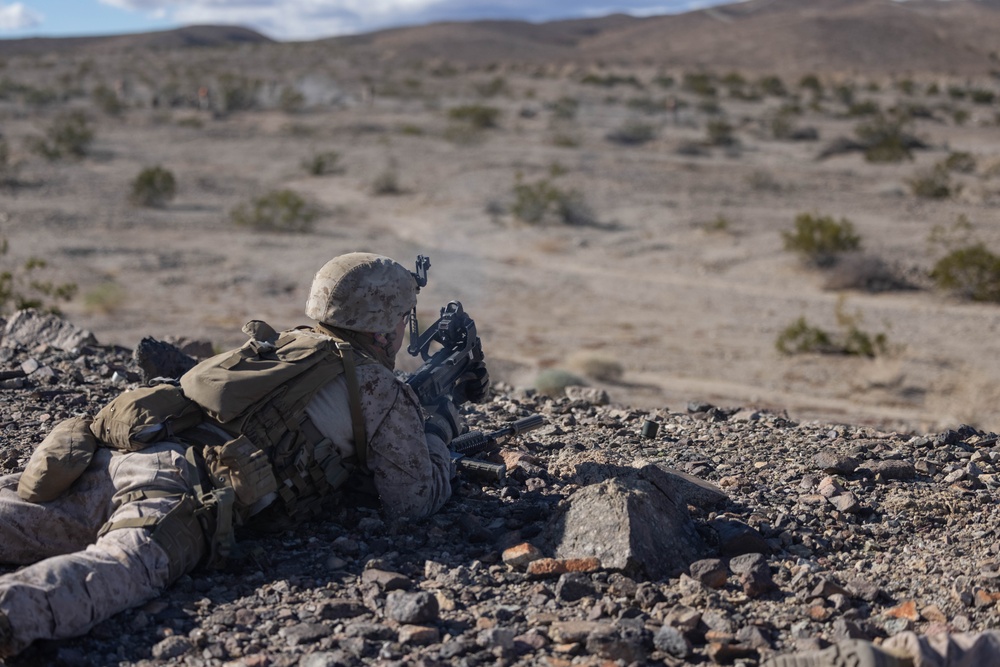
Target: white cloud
column 18, row 17
column 310, row 19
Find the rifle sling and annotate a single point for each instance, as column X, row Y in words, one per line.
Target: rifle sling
column 354, row 396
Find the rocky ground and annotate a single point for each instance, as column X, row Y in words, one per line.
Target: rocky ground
column 809, row 532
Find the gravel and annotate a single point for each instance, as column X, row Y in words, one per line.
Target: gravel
column 829, row 531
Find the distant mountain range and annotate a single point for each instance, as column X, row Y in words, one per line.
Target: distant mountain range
column 944, row 36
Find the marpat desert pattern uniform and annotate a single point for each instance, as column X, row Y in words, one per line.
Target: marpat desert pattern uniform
column 135, row 521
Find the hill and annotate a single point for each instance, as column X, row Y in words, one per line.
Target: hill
column 788, row 36
column 187, row 37
column 775, row 35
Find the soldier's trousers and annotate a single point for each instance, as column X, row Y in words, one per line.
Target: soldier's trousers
column 960, row 649
column 75, row 578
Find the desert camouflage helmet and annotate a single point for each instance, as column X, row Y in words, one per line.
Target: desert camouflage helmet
column 361, row 291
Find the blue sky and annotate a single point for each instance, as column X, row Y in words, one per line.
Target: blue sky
column 295, row 19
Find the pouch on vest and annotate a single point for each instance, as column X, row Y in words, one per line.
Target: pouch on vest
column 239, row 464
column 140, row 417
column 58, row 461
column 229, row 384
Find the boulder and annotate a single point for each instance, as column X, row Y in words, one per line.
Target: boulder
column 629, row 524
column 31, row 328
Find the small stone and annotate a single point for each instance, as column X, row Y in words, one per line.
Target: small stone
column 305, row 633
column 521, row 555
column 566, row 632
column 421, row 635
column 711, row 572
column 574, row 586
column 846, row 503
column 834, row 462
column 413, row 608
column 387, row 581
column 933, row 614
column 671, row 641
column 906, row 609
column 894, row 469
column 172, row 647
column 553, row 566
column 331, row 610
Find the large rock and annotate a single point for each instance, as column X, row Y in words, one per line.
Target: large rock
column 32, row 328
column 631, row 524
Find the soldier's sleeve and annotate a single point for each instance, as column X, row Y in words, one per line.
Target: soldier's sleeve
column 411, row 471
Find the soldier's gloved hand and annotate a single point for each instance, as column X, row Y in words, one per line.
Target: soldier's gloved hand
column 473, row 385
column 444, row 421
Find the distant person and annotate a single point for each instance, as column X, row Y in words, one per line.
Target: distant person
column 112, row 509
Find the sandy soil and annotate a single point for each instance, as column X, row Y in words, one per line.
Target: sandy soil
column 691, row 309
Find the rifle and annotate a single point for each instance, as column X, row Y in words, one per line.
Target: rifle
column 477, row 442
column 455, row 332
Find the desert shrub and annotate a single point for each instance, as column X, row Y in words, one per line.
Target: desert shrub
column 959, row 161
column 981, row 96
column 933, row 183
column 772, row 85
column 664, row 81
column 699, row 83
column 719, row 223
column 107, row 100
column 884, row 139
column 647, row 105
column 495, row 86
column 565, row 108
column 276, row 211
column 291, row 100
column 477, row 116
column 237, row 93
column 960, row 116
column 537, row 202
column 153, row 187
column 597, row 367
column 821, row 239
column 863, row 108
column 972, row 271
column 906, row 86
column 105, row 298
column 710, row 107
column 811, row 83
column 800, row 337
column 411, row 130
column 956, row 92
column 632, row 133
column 864, row 272
column 565, row 139
column 762, row 180
column 844, row 94
column 69, row 135
column 22, row 287
column 323, row 163
column 611, row 80
column 933, row 89
column 386, row 183
column 553, row 382
column 718, row 132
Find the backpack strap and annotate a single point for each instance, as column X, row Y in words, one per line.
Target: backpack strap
column 354, row 397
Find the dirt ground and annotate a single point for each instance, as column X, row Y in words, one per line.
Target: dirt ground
column 679, row 274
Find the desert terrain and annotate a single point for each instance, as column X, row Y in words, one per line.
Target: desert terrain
column 619, row 220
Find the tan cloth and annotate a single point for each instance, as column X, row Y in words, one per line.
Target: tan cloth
column 960, row 649
column 77, row 580
column 411, row 471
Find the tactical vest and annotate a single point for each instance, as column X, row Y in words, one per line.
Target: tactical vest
column 258, row 395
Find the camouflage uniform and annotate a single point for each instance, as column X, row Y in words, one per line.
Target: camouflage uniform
column 906, row 649
column 84, row 564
